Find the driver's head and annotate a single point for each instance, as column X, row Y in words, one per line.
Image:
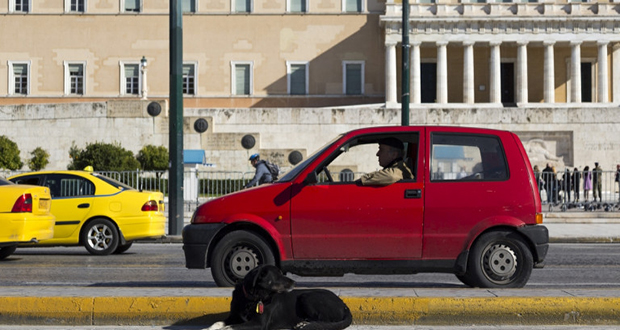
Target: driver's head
column 389, row 149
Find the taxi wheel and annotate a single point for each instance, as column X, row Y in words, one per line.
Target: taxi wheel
column 123, row 247
column 6, row 251
column 100, row 237
column 236, row 254
column 499, row 259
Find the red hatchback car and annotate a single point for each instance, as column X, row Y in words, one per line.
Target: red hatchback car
column 470, row 208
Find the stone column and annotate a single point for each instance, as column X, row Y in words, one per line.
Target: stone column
column 522, row 92
column 495, row 89
column 442, row 72
column 575, row 72
column 468, row 72
column 615, row 74
column 602, row 88
column 415, row 87
column 549, row 68
column 390, row 72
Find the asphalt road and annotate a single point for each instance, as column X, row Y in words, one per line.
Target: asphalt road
column 163, row 265
column 353, row 327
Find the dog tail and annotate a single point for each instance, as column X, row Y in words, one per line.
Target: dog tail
column 345, row 323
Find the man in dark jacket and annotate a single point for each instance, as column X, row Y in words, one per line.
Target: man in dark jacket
column 551, row 183
column 262, row 174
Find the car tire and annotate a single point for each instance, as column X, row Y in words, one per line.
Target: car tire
column 236, row 254
column 123, row 247
column 100, row 237
column 6, row 251
column 499, row 259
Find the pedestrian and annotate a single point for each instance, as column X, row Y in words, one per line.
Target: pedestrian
column 576, row 182
column 539, row 183
column 597, row 182
column 618, row 180
column 262, row 174
column 550, row 180
column 567, row 184
column 587, row 182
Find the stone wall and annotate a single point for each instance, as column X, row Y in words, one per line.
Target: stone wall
column 563, row 136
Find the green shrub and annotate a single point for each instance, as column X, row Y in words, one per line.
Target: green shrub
column 102, row 157
column 40, row 159
column 153, row 158
column 9, row 154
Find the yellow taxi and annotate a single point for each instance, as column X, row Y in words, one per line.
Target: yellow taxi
column 24, row 215
column 102, row 214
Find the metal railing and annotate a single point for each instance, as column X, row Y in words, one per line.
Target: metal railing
column 579, row 190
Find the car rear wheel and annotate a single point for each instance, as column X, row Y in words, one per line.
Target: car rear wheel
column 238, row 253
column 6, row 251
column 499, row 259
column 100, row 237
column 123, row 247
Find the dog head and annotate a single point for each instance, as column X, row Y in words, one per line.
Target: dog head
column 265, row 280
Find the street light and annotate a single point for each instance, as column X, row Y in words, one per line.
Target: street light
column 143, row 64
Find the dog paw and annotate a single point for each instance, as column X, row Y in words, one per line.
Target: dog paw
column 217, row 326
column 301, row 325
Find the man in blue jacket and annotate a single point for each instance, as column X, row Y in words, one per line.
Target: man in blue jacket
column 262, row 174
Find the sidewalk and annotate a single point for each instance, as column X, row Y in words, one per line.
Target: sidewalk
column 377, row 306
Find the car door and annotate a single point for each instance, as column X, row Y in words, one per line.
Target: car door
column 341, row 219
column 72, row 199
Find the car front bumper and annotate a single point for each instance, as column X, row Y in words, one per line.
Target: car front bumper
column 196, row 241
column 539, row 238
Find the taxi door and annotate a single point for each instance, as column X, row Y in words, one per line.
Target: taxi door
column 72, row 199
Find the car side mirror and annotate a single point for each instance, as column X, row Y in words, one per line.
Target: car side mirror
column 312, row 178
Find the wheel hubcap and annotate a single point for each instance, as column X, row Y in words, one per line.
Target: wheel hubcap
column 100, row 237
column 242, row 260
column 500, row 262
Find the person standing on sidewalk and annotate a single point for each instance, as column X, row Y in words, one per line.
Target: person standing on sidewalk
column 587, row 182
column 597, row 182
column 576, row 182
column 618, row 180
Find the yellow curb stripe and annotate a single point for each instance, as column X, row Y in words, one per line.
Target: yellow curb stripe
column 365, row 310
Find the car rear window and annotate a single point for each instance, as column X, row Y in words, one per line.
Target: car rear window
column 464, row 157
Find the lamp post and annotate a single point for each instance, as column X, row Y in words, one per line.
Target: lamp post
column 143, row 64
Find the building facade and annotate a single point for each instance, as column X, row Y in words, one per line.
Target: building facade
column 548, row 70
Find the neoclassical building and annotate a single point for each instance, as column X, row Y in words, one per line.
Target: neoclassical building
column 311, row 69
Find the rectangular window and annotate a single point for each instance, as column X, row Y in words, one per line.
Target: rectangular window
column 21, row 6
column 297, row 78
column 467, row 158
column 243, row 6
column 352, row 6
column 189, row 6
column 20, row 78
column 189, row 79
column 132, row 79
column 353, row 73
column 242, row 78
column 77, row 6
column 298, row 6
column 132, row 6
column 76, row 79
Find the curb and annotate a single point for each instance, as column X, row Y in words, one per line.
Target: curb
column 366, row 310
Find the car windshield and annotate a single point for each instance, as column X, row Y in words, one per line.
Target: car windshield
column 112, row 182
column 4, row 182
column 299, row 167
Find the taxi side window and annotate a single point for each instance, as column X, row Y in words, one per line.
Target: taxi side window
column 69, row 186
column 460, row 157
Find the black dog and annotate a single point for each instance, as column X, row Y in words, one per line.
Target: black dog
column 263, row 300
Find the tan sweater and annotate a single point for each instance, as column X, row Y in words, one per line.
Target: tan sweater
column 398, row 171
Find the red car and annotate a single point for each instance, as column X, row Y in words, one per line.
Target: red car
column 471, row 208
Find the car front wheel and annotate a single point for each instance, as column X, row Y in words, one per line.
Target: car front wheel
column 100, row 237
column 499, row 259
column 238, row 253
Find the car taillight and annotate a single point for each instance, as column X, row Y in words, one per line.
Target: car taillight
column 23, row 204
column 149, row 206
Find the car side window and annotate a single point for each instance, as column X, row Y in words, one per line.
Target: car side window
column 462, row 157
column 31, row 180
column 62, row 185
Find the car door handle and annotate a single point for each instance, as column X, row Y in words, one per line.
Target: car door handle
column 83, row 206
column 413, row 193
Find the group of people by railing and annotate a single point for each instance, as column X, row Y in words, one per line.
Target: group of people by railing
column 601, row 189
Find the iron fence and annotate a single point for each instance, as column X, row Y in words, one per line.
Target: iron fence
column 579, row 191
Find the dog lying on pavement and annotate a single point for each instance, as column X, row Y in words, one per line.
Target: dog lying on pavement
column 264, row 301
